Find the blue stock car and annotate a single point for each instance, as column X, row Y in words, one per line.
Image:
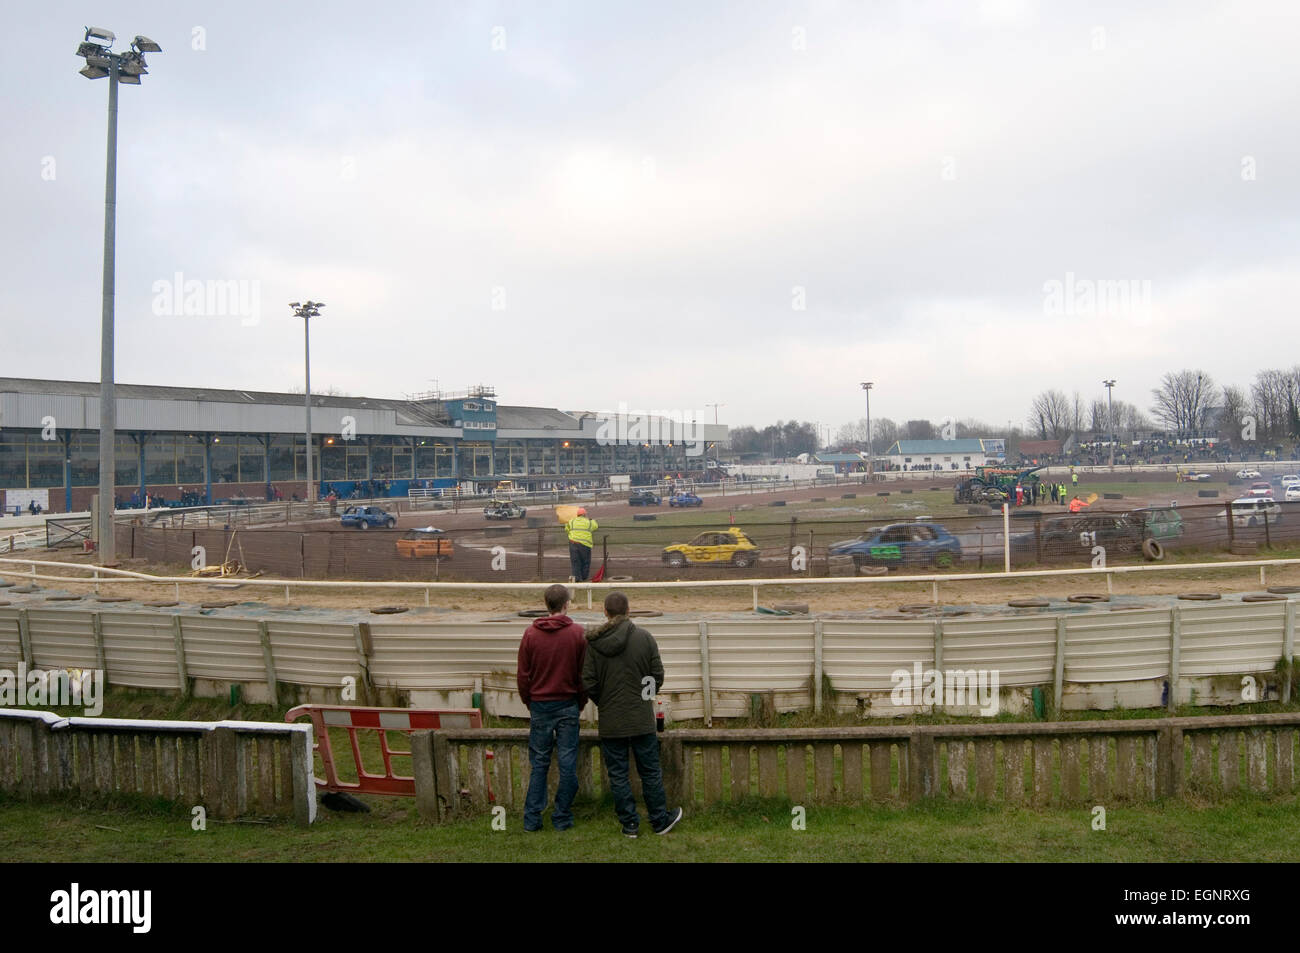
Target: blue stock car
column 902, row 544
column 364, row 517
column 685, row 499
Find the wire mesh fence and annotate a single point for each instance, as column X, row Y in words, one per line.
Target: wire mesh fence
column 726, row 545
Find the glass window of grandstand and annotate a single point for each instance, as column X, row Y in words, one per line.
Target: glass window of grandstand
column 13, row 459
column 381, row 460
column 252, row 460
column 477, row 460
column 126, row 461
column 189, row 460
column 225, row 460
column 84, row 453
column 45, row 462
column 281, row 457
column 403, row 461
column 334, row 459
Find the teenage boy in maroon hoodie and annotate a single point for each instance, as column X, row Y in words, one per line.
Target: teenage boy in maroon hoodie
column 550, row 684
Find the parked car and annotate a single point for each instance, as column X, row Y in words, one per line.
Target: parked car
column 1252, row 511
column 1260, row 489
column 423, row 543
column 685, row 499
column 1293, row 492
column 644, row 498
column 504, row 510
column 364, row 517
column 1248, row 474
column 902, row 544
column 729, row 547
column 1120, row 533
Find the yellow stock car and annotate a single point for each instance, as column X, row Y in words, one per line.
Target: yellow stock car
column 726, row 547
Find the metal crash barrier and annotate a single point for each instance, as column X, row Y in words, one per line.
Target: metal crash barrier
column 381, row 720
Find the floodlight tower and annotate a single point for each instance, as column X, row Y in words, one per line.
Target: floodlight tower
column 127, row 68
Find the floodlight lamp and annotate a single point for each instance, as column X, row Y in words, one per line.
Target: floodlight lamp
column 99, row 60
column 129, row 79
column 92, row 72
column 99, row 33
column 146, row 45
column 88, row 49
column 295, row 304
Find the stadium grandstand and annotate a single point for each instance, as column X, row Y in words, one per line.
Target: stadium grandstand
column 207, row 445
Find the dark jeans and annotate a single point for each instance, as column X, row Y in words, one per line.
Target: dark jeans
column 553, row 727
column 580, row 561
column 645, row 748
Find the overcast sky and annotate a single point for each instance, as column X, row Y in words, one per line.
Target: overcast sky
column 666, row 204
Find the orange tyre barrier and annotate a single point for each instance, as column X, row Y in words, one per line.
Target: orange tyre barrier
column 381, row 720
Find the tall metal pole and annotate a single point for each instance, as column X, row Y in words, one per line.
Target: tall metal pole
column 871, row 457
column 107, row 392
column 306, row 346
column 1110, row 414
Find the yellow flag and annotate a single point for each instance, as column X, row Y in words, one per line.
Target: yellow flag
column 566, row 512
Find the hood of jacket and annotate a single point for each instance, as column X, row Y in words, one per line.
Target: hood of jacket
column 610, row 638
column 552, row 623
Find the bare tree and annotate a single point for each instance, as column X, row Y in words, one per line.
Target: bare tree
column 1098, row 420
column 1235, row 406
column 1049, row 415
column 1183, row 401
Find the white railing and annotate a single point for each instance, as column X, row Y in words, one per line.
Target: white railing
column 100, row 575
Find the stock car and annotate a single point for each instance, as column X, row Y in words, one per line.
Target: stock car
column 1248, row 474
column 504, row 510
column 1292, row 492
column 643, row 498
column 364, row 517
column 420, row 543
column 1120, row 533
column 685, row 499
column 727, row 547
column 902, row 544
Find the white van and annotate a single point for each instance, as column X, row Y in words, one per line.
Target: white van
column 1252, row 511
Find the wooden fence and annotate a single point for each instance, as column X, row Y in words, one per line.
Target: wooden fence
column 1045, row 764
column 231, row 768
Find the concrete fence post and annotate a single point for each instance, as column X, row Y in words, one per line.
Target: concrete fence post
column 268, row 659
column 818, row 700
column 179, row 639
column 365, row 648
column 1058, row 674
column 424, row 771
column 25, row 638
column 97, row 632
column 1288, row 649
column 706, row 684
column 938, row 664
column 1175, row 654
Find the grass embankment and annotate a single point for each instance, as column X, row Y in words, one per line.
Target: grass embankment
column 135, row 829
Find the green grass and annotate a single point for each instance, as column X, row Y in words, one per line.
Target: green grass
column 1243, row 829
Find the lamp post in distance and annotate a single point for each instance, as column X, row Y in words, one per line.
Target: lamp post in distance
column 871, row 457
column 1110, row 418
column 307, row 310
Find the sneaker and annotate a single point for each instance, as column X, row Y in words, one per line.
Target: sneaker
column 630, row 832
column 672, row 821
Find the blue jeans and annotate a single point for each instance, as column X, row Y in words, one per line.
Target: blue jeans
column 579, row 561
column 553, row 727
column 645, row 748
